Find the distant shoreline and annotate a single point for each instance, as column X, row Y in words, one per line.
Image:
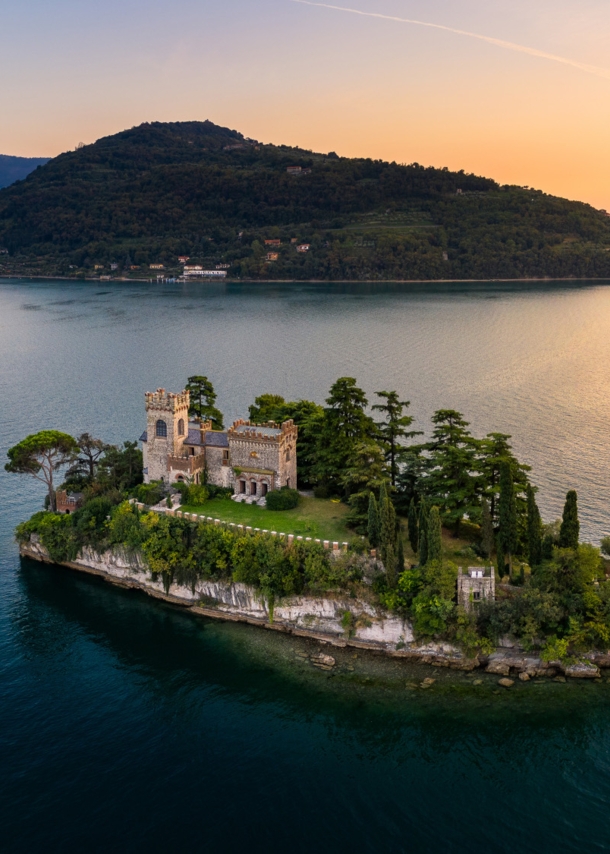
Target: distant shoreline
column 542, row 279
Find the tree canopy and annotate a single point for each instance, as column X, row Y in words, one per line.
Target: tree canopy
column 41, row 455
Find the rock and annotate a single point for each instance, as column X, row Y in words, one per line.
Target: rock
column 325, row 662
column 582, row 670
column 477, row 682
column 524, row 677
column 506, row 683
column 498, row 666
column 428, row 682
column 560, row 679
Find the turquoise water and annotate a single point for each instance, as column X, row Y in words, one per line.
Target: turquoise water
column 126, row 724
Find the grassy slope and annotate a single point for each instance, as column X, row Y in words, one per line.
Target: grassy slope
column 314, row 517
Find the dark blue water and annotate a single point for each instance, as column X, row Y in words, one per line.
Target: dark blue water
column 128, row 725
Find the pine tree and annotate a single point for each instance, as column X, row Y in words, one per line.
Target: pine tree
column 534, row 529
column 400, row 556
column 374, row 524
column 487, row 530
column 423, row 532
column 394, row 428
column 435, row 542
column 413, row 526
column 570, row 526
column 507, row 536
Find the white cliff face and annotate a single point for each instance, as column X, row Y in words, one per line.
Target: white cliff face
column 314, row 614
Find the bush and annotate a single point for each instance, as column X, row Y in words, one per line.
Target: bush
column 282, row 499
column 150, row 493
column 320, row 491
column 195, row 495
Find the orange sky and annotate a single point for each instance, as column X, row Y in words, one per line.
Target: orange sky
column 325, row 79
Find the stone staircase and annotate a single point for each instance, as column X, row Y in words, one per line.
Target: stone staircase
column 250, row 499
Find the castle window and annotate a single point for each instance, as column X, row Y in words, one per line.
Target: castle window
column 161, row 429
column 288, row 455
column 476, row 595
column 181, row 427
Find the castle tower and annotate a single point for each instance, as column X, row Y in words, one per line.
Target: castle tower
column 167, row 421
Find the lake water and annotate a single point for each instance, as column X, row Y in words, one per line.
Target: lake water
column 127, row 725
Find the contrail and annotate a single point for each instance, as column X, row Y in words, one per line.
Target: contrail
column 590, row 69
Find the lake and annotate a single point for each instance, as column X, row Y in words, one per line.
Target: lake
column 128, row 725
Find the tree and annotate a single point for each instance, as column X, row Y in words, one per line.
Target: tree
column 534, row 529
column 374, row 524
column 393, row 428
column 487, row 530
column 267, row 407
column 423, row 532
column 507, row 535
column 203, row 401
column 387, row 519
column 450, row 482
column 365, row 475
column 345, row 425
column 90, row 450
column 492, row 452
column 570, row 526
column 413, row 526
column 121, row 468
column 41, row 455
column 435, row 540
column 400, row 555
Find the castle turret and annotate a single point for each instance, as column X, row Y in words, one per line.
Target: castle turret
column 167, row 428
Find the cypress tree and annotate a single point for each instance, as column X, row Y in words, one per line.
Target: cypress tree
column 435, row 542
column 374, row 525
column 413, row 526
column 423, row 533
column 570, row 526
column 534, row 528
column 487, row 530
column 400, row 555
column 501, row 560
column 387, row 516
column 507, row 536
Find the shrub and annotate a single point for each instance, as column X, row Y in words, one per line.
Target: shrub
column 196, row 495
column 282, row 499
column 149, row 493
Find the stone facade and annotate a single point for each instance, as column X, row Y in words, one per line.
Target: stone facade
column 476, row 586
column 250, row 458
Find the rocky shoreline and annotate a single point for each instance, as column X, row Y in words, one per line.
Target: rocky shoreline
column 321, row 619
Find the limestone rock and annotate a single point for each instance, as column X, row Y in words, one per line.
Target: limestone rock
column 498, row 666
column 477, row 682
column 560, row 679
column 506, row 683
column 428, row 682
column 324, row 662
column 582, row 670
column 524, row 677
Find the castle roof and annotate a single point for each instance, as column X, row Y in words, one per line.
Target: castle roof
column 216, row 439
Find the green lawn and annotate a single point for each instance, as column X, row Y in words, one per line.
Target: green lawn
column 314, row 517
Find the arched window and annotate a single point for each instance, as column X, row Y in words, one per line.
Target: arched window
column 181, row 427
column 161, row 429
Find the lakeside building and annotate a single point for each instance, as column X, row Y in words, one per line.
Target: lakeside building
column 477, row 585
column 252, row 459
column 195, row 272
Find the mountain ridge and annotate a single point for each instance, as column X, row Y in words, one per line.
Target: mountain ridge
column 151, row 193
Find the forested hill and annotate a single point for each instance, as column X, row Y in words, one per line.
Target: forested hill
column 15, row 168
column 152, row 193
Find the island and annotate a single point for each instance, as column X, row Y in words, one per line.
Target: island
column 334, row 521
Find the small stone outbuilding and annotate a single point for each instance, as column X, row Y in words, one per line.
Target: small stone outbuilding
column 476, row 585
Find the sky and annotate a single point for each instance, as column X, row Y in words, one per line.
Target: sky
column 528, row 104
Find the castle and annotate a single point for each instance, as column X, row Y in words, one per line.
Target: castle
column 252, row 459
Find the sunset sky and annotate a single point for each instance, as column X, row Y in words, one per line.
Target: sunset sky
column 290, row 72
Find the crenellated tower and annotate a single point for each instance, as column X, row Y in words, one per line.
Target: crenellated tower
column 167, row 419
